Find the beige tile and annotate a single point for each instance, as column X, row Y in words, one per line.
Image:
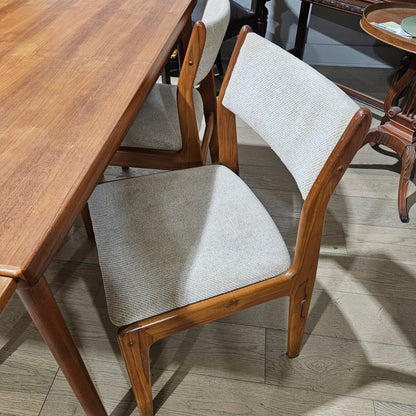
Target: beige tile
column 342, row 367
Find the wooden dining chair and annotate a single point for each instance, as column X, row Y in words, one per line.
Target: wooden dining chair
column 183, row 248
column 165, row 134
column 254, row 15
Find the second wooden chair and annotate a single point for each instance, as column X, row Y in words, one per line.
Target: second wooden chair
column 165, row 134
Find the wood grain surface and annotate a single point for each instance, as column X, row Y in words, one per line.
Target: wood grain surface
column 73, row 75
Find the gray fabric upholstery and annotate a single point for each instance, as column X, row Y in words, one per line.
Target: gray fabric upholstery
column 175, row 238
column 299, row 112
column 157, row 124
column 215, row 18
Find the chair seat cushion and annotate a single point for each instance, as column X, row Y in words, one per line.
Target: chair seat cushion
column 171, row 239
column 157, row 124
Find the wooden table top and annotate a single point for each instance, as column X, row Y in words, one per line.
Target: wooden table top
column 73, row 75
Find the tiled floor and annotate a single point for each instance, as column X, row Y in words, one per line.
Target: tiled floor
column 359, row 352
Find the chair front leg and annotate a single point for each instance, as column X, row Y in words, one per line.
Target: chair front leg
column 135, row 346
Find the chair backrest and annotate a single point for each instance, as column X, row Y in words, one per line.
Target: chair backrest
column 309, row 122
column 301, row 114
column 215, row 19
column 206, row 38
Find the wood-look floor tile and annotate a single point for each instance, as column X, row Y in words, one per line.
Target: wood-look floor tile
column 268, row 177
column 21, row 403
column 216, row 349
column 396, row 244
column 25, row 379
column 367, row 275
column 113, row 173
column 338, row 366
column 363, row 318
column 112, row 386
column 257, row 155
column 343, row 315
column 74, row 282
column 371, row 185
column 393, row 409
column 367, row 211
column 76, row 247
column 195, row 395
column 379, row 158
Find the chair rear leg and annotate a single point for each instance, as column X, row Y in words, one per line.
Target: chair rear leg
column 135, row 346
column 298, row 313
column 86, row 218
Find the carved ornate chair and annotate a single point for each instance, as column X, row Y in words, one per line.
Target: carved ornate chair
column 180, row 249
column 165, row 134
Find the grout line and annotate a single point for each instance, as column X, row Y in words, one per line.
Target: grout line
column 47, row 394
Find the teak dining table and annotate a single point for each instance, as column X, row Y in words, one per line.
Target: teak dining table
column 73, row 75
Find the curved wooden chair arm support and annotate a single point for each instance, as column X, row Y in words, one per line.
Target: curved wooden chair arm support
column 208, row 93
column 186, row 108
column 226, row 127
column 311, row 223
column 209, row 130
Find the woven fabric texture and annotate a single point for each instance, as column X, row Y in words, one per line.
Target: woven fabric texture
column 299, row 112
column 157, row 124
column 215, row 18
column 175, row 238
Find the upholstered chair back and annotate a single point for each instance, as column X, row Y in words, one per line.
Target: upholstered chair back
column 215, row 18
column 300, row 114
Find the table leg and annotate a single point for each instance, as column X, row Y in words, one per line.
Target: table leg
column 407, row 154
column 302, row 30
column 44, row 311
column 408, row 159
